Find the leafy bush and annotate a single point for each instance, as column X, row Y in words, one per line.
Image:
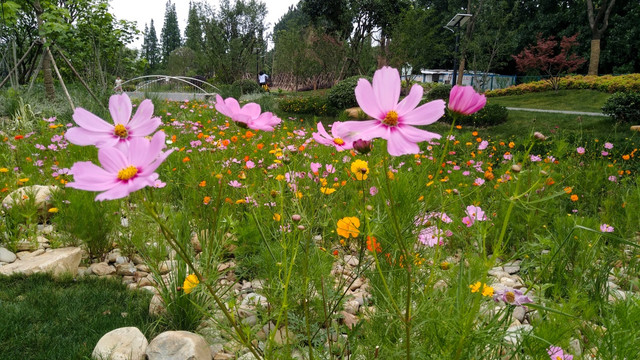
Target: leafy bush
column 227, row 91
column 623, row 107
column 440, row 91
column 342, row 96
column 315, row 105
column 247, row 86
column 490, row 115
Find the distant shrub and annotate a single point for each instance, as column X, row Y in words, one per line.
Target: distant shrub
column 623, row 107
column 342, row 96
column 247, row 86
column 490, row 115
column 440, row 91
column 315, row 105
column 605, row 83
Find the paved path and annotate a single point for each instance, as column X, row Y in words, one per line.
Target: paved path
column 558, row 111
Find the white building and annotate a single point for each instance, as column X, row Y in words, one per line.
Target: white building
column 479, row 80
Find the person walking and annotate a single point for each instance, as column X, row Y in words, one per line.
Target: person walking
column 118, row 88
column 263, row 80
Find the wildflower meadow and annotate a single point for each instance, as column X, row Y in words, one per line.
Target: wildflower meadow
column 398, row 236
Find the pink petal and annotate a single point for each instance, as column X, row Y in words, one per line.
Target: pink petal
column 120, row 109
column 365, row 130
column 398, row 145
column 117, row 192
column 149, row 169
column 367, row 100
column 251, row 109
column 416, row 135
column 83, row 137
column 91, row 122
column 142, row 151
column 144, row 128
column 386, row 87
column 425, row 114
column 88, row 176
column 112, row 160
column 411, row 101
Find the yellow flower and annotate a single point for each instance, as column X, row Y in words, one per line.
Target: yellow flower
column 4, row 170
column 487, row 290
column 348, row 226
column 23, row 180
column 475, row 287
column 327, row 191
column 360, row 169
column 190, row 283
column 276, row 217
column 53, row 210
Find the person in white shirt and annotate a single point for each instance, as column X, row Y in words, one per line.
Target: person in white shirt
column 263, row 79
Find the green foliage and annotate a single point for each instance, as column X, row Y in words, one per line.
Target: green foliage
column 314, row 105
column 490, row 115
column 342, row 96
column 87, row 221
column 440, row 91
column 623, row 107
column 605, row 83
column 150, row 48
column 247, row 86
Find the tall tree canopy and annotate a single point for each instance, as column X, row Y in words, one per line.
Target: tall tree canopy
column 170, row 34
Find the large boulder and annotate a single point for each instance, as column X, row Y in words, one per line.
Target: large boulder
column 41, row 194
column 178, row 345
column 56, row 261
column 7, row 256
column 127, row 343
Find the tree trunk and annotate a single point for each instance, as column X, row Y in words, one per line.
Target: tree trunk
column 461, row 70
column 49, row 89
column 594, row 58
column 46, row 63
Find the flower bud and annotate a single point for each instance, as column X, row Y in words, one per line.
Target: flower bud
column 539, row 136
column 296, row 217
column 362, row 146
column 516, row 168
column 301, row 227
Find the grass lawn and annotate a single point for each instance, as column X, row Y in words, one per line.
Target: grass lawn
column 569, row 100
column 42, row 318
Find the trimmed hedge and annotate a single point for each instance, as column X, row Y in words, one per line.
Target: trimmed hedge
column 605, row 83
column 314, row 105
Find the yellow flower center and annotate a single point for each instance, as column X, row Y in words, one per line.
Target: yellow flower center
column 338, row 141
column 391, row 119
column 121, row 131
column 127, row 173
column 510, row 296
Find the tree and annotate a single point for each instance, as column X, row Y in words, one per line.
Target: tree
column 598, row 22
column 193, row 30
column 170, row 33
column 550, row 58
column 150, row 47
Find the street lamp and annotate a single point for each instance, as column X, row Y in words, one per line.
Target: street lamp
column 455, row 23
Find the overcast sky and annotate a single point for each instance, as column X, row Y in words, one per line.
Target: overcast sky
column 142, row 11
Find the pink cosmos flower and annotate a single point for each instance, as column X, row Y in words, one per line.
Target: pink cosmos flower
column 512, row 297
column 608, row 145
column 123, row 171
column 474, row 213
column 248, row 116
column 483, row 145
column 339, row 137
column 92, row 130
column 606, row 228
column 393, row 120
column 556, row 353
column 315, row 167
column 431, row 236
column 465, row 100
column 580, row 150
column 235, row 184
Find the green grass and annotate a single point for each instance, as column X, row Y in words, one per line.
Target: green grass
column 42, row 318
column 568, row 100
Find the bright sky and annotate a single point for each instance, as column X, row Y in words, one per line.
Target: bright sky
column 142, row 11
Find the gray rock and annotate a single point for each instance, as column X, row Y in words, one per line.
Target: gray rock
column 57, row 262
column 102, row 269
column 178, row 345
column 7, row 256
column 351, row 260
column 126, row 269
column 351, row 307
column 518, row 313
column 156, row 306
column 41, row 193
column 126, row 343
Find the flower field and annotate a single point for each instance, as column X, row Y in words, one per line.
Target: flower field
column 473, row 247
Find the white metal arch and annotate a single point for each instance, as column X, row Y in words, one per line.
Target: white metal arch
column 185, row 79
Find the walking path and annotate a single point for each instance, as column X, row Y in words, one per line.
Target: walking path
column 557, row 111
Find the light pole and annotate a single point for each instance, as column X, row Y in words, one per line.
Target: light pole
column 455, row 23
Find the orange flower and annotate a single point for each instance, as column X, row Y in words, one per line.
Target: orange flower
column 568, row 190
column 574, row 197
column 475, row 133
column 200, row 135
column 173, row 138
column 186, row 159
column 260, row 146
column 203, row 183
column 373, row 244
column 249, row 134
column 550, row 181
column 18, row 137
column 225, row 142
column 206, row 200
column 234, row 139
column 625, row 157
column 348, row 226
